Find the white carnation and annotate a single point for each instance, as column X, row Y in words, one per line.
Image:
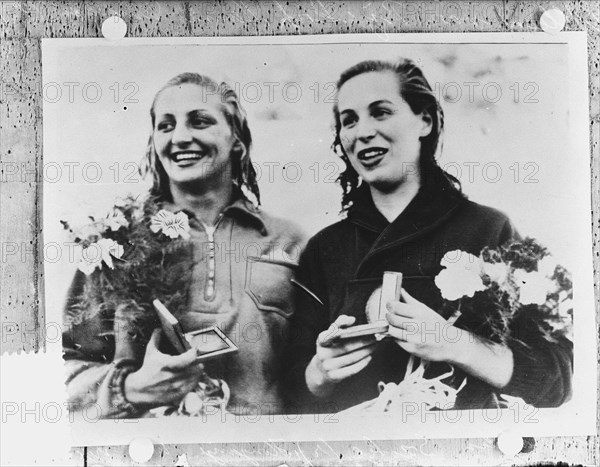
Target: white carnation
column 455, row 284
column 533, row 286
column 101, row 251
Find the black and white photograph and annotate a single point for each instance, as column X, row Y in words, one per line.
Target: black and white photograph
column 379, row 236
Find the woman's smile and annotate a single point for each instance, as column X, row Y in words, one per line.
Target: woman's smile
column 186, row 158
column 371, row 157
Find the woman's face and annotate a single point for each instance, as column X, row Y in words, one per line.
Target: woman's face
column 191, row 135
column 379, row 131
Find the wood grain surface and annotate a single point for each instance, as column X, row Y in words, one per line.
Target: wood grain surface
column 24, row 24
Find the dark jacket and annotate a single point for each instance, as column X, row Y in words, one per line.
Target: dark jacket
column 248, row 296
column 344, row 263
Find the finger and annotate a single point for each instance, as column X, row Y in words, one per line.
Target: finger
column 199, row 365
column 351, row 345
column 348, row 359
column 183, row 361
column 342, row 346
column 408, row 298
column 338, row 347
column 194, row 369
column 336, row 351
column 180, row 389
column 401, row 309
column 344, row 321
column 327, row 337
column 188, row 383
column 401, row 322
column 343, row 373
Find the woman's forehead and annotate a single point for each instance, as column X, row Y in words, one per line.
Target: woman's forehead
column 366, row 88
column 188, row 97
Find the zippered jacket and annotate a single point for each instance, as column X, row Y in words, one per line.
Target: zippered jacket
column 237, row 277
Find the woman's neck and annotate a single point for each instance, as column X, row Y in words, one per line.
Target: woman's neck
column 392, row 203
column 206, row 206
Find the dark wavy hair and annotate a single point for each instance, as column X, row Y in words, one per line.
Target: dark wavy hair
column 417, row 93
column 243, row 176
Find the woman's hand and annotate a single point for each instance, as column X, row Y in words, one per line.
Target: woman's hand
column 421, row 331
column 163, row 379
column 336, row 360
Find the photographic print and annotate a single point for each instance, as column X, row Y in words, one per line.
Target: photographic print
column 320, row 237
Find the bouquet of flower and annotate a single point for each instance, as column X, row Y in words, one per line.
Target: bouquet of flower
column 136, row 253
column 488, row 294
column 505, row 284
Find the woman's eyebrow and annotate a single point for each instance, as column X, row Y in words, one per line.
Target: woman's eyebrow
column 379, row 102
column 191, row 112
column 202, row 112
column 371, row 105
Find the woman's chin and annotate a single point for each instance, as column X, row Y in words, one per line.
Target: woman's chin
column 383, row 184
column 189, row 183
column 187, row 174
column 199, row 185
column 389, row 183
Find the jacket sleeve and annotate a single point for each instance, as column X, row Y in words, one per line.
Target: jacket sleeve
column 542, row 369
column 310, row 319
column 93, row 375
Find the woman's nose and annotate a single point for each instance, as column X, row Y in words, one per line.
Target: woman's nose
column 365, row 129
column 181, row 135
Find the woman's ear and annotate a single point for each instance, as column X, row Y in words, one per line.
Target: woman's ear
column 427, row 124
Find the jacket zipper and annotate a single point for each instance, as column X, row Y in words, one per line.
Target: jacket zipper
column 209, row 291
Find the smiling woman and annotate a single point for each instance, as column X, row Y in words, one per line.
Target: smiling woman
column 405, row 214
column 192, row 138
column 380, row 133
column 181, row 244
column 196, row 125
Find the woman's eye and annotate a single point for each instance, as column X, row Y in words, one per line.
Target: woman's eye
column 348, row 121
column 201, row 123
column 165, row 126
column 379, row 113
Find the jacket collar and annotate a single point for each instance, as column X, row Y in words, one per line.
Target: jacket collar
column 240, row 208
column 432, row 205
column 244, row 208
